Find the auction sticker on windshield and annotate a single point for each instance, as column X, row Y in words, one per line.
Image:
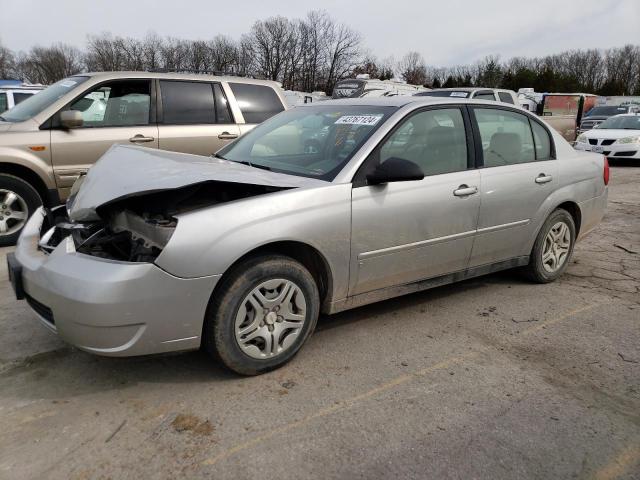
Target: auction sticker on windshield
column 358, row 120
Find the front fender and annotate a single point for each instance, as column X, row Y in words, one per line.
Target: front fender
column 210, row 240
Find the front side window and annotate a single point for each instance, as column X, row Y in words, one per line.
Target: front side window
column 506, row 137
column 37, row 103
column 187, row 103
column 314, row 141
column 115, row 104
column 256, row 102
column 434, row 139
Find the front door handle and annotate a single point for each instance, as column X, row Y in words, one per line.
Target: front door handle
column 542, row 178
column 465, row 190
column 141, row 139
column 227, row 136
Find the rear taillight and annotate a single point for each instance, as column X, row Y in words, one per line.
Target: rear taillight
column 605, row 173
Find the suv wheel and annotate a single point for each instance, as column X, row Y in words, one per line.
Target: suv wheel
column 553, row 248
column 18, row 200
column 263, row 313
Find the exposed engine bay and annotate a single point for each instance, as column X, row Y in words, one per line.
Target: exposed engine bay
column 136, row 228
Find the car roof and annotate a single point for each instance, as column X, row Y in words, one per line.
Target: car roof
column 176, row 76
column 401, row 101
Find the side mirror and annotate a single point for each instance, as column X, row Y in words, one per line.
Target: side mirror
column 395, row 169
column 71, row 119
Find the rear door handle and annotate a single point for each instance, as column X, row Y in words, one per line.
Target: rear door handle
column 542, row 178
column 227, row 136
column 465, row 190
column 141, row 139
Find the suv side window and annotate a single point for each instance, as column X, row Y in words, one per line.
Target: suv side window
column 505, row 97
column 116, row 104
column 256, row 102
column 3, row 102
column 187, row 103
column 506, row 137
column 485, row 96
column 433, row 139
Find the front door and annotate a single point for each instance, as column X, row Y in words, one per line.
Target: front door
column 194, row 117
column 518, row 176
column 113, row 112
column 407, row 231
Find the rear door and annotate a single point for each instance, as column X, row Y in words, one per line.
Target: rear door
column 119, row 111
column 403, row 232
column 194, row 117
column 519, row 173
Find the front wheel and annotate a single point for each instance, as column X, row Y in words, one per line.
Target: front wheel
column 553, row 248
column 18, row 200
column 262, row 314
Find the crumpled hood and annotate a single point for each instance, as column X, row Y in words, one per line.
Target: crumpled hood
column 125, row 171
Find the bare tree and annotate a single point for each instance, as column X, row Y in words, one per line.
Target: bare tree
column 7, row 62
column 49, row 64
column 412, row 69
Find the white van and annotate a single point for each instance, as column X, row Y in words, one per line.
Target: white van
column 363, row 86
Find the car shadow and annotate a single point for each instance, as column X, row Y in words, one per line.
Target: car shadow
column 68, row 372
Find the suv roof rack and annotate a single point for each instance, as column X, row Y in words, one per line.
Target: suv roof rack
column 226, row 73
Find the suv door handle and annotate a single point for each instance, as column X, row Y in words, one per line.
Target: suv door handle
column 141, row 139
column 542, row 178
column 227, row 136
column 465, row 190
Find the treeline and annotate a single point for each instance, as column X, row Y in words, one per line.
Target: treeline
column 314, row 52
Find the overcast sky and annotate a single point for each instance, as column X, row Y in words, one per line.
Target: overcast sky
column 445, row 32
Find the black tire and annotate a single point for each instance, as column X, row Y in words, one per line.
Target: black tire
column 218, row 336
column 536, row 271
column 25, row 191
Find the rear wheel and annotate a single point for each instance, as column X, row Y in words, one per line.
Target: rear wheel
column 18, row 200
column 262, row 314
column 553, row 248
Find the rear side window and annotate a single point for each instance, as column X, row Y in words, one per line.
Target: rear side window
column 506, row 137
column 543, row 141
column 187, row 103
column 222, row 106
column 506, row 97
column 256, row 102
column 3, row 102
column 485, row 96
column 19, row 97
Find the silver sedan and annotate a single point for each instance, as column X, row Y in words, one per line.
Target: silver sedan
column 320, row 209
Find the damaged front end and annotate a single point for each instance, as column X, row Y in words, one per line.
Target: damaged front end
column 137, row 228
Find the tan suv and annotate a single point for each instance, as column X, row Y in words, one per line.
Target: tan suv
column 50, row 139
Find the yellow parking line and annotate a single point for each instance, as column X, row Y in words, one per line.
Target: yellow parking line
column 619, row 465
column 348, row 403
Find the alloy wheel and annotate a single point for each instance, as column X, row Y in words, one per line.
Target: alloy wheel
column 13, row 212
column 557, row 245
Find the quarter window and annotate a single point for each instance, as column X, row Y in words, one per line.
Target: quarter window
column 506, row 137
column 116, row 104
column 543, row 141
column 433, row 139
column 222, row 106
column 256, row 102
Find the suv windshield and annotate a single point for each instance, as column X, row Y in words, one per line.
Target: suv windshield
column 621, row 122
column 308, row 141
column 36, row 103
column 606, row 111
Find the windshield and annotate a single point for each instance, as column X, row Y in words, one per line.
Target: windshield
column 621, row 122
column 308, row 141
column 36, row 103
column 443, row 93
column 606, row 111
